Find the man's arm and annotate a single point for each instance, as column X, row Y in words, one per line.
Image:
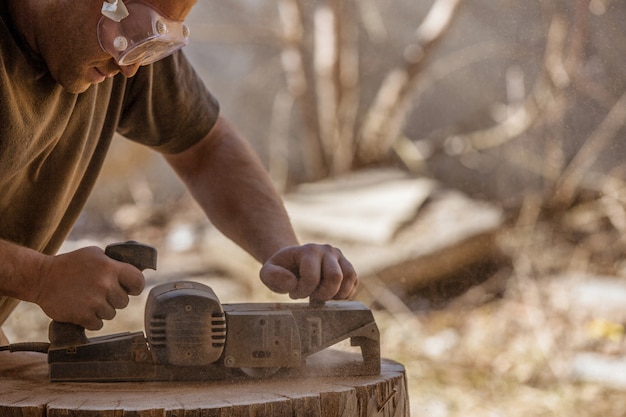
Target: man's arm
column 82, row 287
column 226, row 178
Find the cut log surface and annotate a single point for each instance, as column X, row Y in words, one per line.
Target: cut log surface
column 27, row 392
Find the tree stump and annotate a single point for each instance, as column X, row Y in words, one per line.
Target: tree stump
column 27, row 392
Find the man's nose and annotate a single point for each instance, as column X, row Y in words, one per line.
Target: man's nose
column 129, row 70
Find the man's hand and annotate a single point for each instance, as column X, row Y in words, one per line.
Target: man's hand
column 85, row 287
column 318, row 271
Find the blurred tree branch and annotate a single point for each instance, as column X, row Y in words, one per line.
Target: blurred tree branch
column 296, row 63
column 322, row 73
column 385, row 118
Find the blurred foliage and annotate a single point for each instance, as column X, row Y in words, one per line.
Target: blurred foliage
column 489, row 97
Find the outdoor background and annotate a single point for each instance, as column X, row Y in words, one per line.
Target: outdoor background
column 467, row 155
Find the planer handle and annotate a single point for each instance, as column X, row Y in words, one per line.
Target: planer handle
column 137, row 254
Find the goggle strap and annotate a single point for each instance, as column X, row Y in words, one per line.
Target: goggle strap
column 115, row 10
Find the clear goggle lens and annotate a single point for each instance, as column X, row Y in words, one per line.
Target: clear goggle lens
column 145, row 36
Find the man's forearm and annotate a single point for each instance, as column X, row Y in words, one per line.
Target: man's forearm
column 19, row 267
column 235, row 191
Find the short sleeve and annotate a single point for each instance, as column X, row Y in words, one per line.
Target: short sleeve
column 167, row 106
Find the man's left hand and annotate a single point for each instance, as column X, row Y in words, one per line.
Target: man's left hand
column 317, row 271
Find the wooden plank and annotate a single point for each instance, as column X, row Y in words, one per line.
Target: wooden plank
column 307, row 406
column 339, row 403
column 27, row 392
column 366, row 207
column 25, row 411
column 388, row 398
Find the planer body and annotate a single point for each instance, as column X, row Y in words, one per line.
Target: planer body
column 191, row 335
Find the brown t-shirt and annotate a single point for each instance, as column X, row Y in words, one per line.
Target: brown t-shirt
column 53, row 143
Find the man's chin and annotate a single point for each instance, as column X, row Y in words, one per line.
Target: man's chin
column 75, row 87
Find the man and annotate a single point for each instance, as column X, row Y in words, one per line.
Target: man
column 72, row 73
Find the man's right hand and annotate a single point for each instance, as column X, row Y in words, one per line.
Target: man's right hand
column 85, row 287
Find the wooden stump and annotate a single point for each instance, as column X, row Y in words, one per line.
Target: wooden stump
column 26, row 392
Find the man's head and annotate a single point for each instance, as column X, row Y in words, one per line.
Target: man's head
column 65, row 34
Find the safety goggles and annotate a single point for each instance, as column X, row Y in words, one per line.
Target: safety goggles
column 138, row 33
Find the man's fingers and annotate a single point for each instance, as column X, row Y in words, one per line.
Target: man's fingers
column 309, row 275
column 331, row 279
column 318, row 271
column 93, row 323
column 106, row 312
column 278, row 279
column 132, row 280
column 350, row 280
column 348, row 289
column 118, row 298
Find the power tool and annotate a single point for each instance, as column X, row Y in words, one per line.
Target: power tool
column 190, row 335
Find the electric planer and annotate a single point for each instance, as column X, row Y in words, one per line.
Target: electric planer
column 191, row 335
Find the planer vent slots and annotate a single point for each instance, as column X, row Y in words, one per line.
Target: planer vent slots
column 218, row 329
column 157, row 331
